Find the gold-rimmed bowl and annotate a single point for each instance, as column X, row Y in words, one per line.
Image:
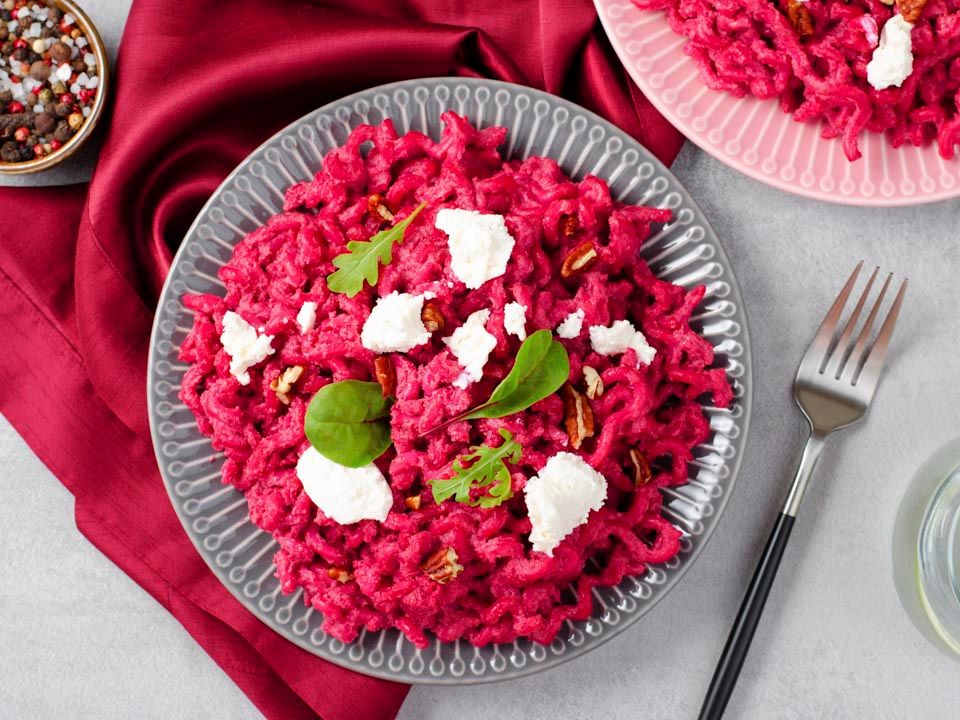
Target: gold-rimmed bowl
column 99, row 51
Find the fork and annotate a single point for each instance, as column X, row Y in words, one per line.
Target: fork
column 835, row 383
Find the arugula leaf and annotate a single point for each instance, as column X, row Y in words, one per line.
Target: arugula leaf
column 540, row 369
column 349, row 422
column 482, row 467
column 363, row 258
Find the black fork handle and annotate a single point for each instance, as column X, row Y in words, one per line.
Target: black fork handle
column 741, row 635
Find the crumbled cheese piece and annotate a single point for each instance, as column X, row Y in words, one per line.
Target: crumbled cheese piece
column 394, row 324
column 244, row 346
column 560, row 498
column 620, row 337
column 471, row 344
column 571, row 326
column 515, row 319
column 892, row 60
column 307, row 317
column 480, row 245
column 345, row 495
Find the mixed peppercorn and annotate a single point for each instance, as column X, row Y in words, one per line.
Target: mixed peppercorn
column 48, row 79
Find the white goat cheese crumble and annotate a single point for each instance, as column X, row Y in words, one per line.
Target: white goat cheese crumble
column 560, row 498
column 471, row 344
column 345, row 495
column 571, row 326
column 892, row 60
column 480, row 244
column 620, row 337
column 244, row 345
column 515, row 319
column 307, row 317
column 394, row 324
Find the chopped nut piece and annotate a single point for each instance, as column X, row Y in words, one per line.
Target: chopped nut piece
column 412, row 502
column 593, row 381
column 642, row 474
column 376, row 203
column 911, row 9
column 569, row 225
column 340, row 574
column 442, row 566
column 578, row 416
column 283, row 384
column 579, row 259
column 431, row 317
column 799, row 17
column 385, row 374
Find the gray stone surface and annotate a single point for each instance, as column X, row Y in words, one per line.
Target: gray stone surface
column 80, row 640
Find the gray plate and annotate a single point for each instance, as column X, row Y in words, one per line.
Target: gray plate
column 686, row 251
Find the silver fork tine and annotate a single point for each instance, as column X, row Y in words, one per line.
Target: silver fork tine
column 859, row 353
column 820, row 347
column 875, row 355
column 844, row 346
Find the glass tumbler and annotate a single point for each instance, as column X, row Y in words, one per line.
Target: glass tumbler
column 926, row 549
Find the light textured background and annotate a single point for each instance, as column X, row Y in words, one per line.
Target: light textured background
column 78, row 639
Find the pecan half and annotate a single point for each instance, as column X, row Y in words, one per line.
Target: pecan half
column 386, row 374
column 377, row 204
column 431, row 317
column 911, row 9
column 569, row 225
column 799, row 17
column 593, row 382
column 442, row 566
column 412, row 502
column 340, row 574
column 580, row 258
column 642, row 474
column 283, row 384
column 578, row 416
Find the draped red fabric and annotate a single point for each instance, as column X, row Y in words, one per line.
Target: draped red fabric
column 199, row 84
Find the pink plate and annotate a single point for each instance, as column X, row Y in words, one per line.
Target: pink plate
column 757, row 138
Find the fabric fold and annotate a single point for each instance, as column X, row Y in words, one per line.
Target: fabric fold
column 198, row 86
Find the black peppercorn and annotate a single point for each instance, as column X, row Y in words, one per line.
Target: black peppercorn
column 60, row 52
column 62, row 133
column 5, row 15
column 4, row 32
column 79, row 65
column 32, row 56
column 56, row 14
column 6, row 48
column 6, row 97
column 9, row 152
column 61, row 110
column 26, row 153
column 21, row 54
column 45, row 123
column 39, row 70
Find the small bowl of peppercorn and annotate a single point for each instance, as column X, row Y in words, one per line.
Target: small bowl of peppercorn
column 53, row 82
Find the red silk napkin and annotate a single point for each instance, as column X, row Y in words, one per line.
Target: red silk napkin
column 199, row 84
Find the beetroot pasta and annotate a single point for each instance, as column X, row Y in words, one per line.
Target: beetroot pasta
column 854, row 66
column 432, row 287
